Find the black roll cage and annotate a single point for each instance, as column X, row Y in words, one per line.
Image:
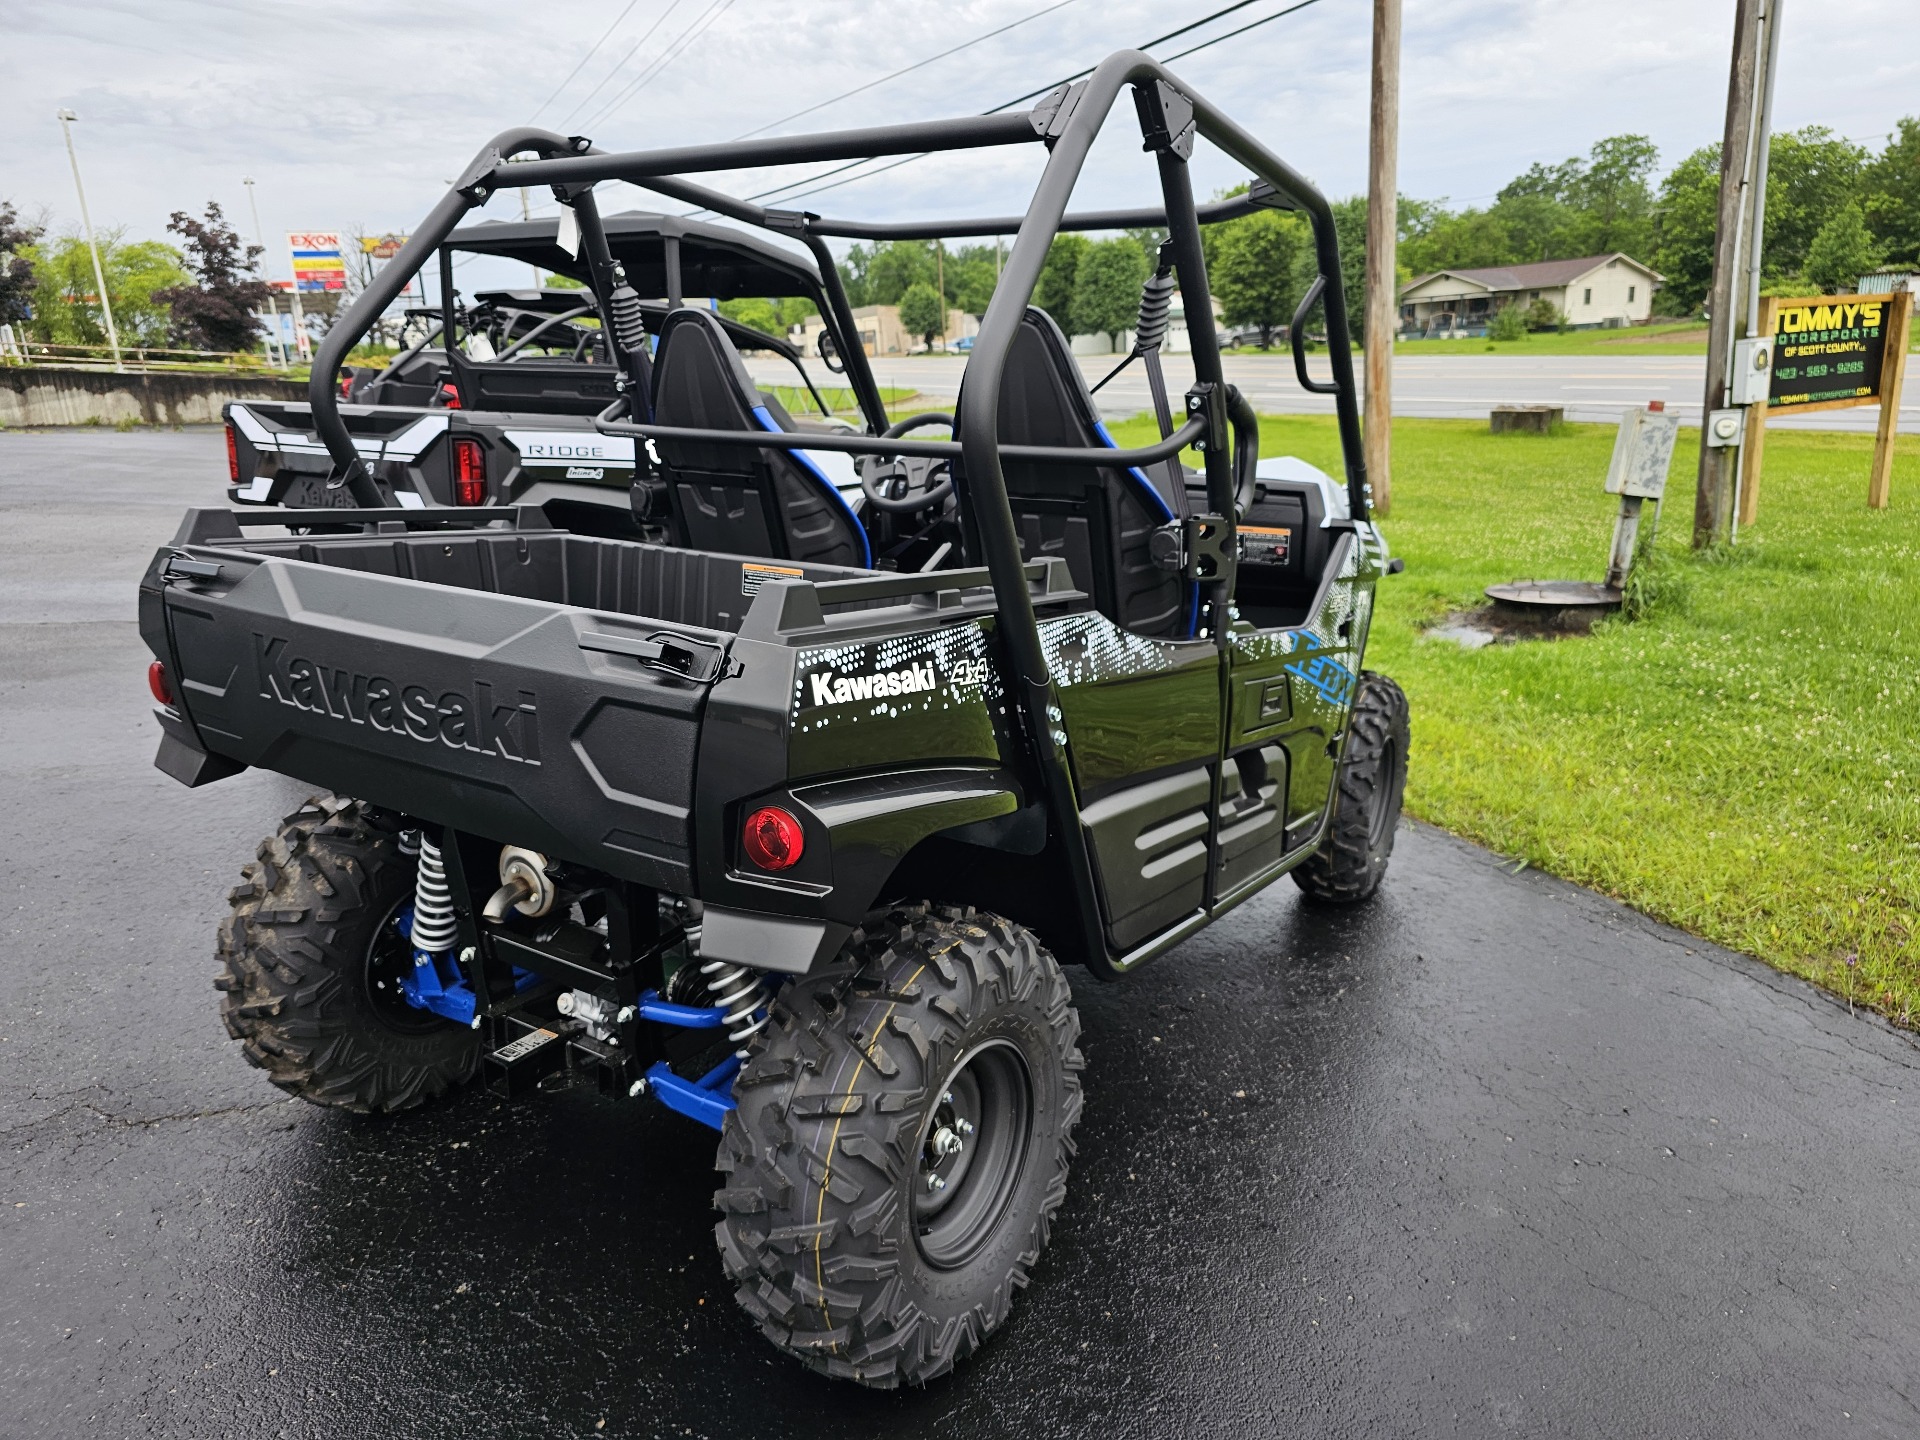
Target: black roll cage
column 1067, row 120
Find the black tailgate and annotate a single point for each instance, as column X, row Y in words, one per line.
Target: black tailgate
column 569, row 730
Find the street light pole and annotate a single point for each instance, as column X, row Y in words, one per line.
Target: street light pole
column 274, row 347
column 67, row 117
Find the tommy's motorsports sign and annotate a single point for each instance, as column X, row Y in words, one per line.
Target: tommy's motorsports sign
column 1830, row 352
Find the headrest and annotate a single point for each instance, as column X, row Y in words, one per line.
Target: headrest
column 694, row 350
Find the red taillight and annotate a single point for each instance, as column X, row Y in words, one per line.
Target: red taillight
column 159, row 684
column 469, row 473
column 450, row 396
column 233, row 455
column 346, row 387
column 773, row 839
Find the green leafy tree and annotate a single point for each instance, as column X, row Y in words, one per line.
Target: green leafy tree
column 1256, row 269
column 1350, row 228
column 1612, row 196
column 1106, row 288
column 66, row 307
column 1683, row 223
column 921, row 312
column 1053, row 292
column 762, row 315
column 16, row 265
column 556, row 281
column 1469, row 240
column 1890, row 195
column 882, row 273
column 1812, row 174
column 216, row 311
column 1842, row 251
column 972, row 273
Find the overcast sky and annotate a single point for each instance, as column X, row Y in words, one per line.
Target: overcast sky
column 353, row 113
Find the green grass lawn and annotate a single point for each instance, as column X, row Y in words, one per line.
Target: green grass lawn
column 1742, row 762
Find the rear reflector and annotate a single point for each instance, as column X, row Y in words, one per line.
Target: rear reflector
column 773, row 838
column 469, row 473
column 159, row 684
column 233, row 455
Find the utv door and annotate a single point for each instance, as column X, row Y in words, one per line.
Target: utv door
column 1301, row 622
column 1142, row 719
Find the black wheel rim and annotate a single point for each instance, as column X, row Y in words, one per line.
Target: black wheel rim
column 389, row 961
column 973, row 1149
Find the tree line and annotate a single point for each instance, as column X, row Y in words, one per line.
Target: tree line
column 199, row 295
column 1835, row 210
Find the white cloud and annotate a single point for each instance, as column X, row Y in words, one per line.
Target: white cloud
column 358, row 111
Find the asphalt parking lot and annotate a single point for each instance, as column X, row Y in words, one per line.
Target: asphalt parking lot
column 1496, row 1156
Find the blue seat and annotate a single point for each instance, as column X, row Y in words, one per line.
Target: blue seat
column 1099, row 520
column 730, row 498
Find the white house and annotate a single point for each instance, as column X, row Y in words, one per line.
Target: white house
column 1591, row 292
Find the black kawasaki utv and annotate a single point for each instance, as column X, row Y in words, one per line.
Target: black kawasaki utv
column 493, row 402
column 787, row 832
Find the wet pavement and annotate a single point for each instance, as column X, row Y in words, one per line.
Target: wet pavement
column 1493, row 1156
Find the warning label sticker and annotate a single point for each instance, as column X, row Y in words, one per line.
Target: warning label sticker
column 1266, row 544
column 753, row 577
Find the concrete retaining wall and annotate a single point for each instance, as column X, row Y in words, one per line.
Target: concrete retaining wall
column 45, row 395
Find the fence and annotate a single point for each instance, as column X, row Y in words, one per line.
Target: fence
column 15, row 352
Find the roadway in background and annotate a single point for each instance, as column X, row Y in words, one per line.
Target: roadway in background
column 1425, row 385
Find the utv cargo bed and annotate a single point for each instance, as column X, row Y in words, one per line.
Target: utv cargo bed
column 507, row 678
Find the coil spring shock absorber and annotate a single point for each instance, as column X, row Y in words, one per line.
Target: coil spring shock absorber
column 629, row 322
column 1156, row 305
column 434, row 927
column 740, row 992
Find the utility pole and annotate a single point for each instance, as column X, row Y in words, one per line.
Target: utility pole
column 67, row 117
column 1747, row 473
column 1383, row 297
column 274, row 348
column 1713, row 494
column 940, row 284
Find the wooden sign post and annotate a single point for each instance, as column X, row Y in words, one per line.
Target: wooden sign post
column 1831, row 352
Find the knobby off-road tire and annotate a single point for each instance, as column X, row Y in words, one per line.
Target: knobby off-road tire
column 1352, row 860
column 839, row 1249
column 311, row 963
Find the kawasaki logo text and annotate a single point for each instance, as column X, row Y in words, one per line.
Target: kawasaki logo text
column 454, row 718
column 831, row 689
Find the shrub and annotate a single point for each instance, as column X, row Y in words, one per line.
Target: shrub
column 1544, row 315
column 1509, row 323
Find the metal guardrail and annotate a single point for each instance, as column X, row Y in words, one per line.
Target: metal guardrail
column 138, row 358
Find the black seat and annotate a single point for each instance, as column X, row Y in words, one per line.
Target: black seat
column 1098, row 520
column 727, row 497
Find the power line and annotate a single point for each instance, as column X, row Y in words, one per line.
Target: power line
column 675, row 49
column 906, row 69
column 1033, row 94
column 583, row 62
column 632, row 49
column 1181, row 55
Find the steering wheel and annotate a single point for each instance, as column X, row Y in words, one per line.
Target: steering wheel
column 902, row 484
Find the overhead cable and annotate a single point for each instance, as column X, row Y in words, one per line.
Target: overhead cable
column 907, row 69
column 909, row 159
column 591, row 52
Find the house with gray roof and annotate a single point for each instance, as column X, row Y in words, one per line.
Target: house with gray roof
column 1593, row 292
